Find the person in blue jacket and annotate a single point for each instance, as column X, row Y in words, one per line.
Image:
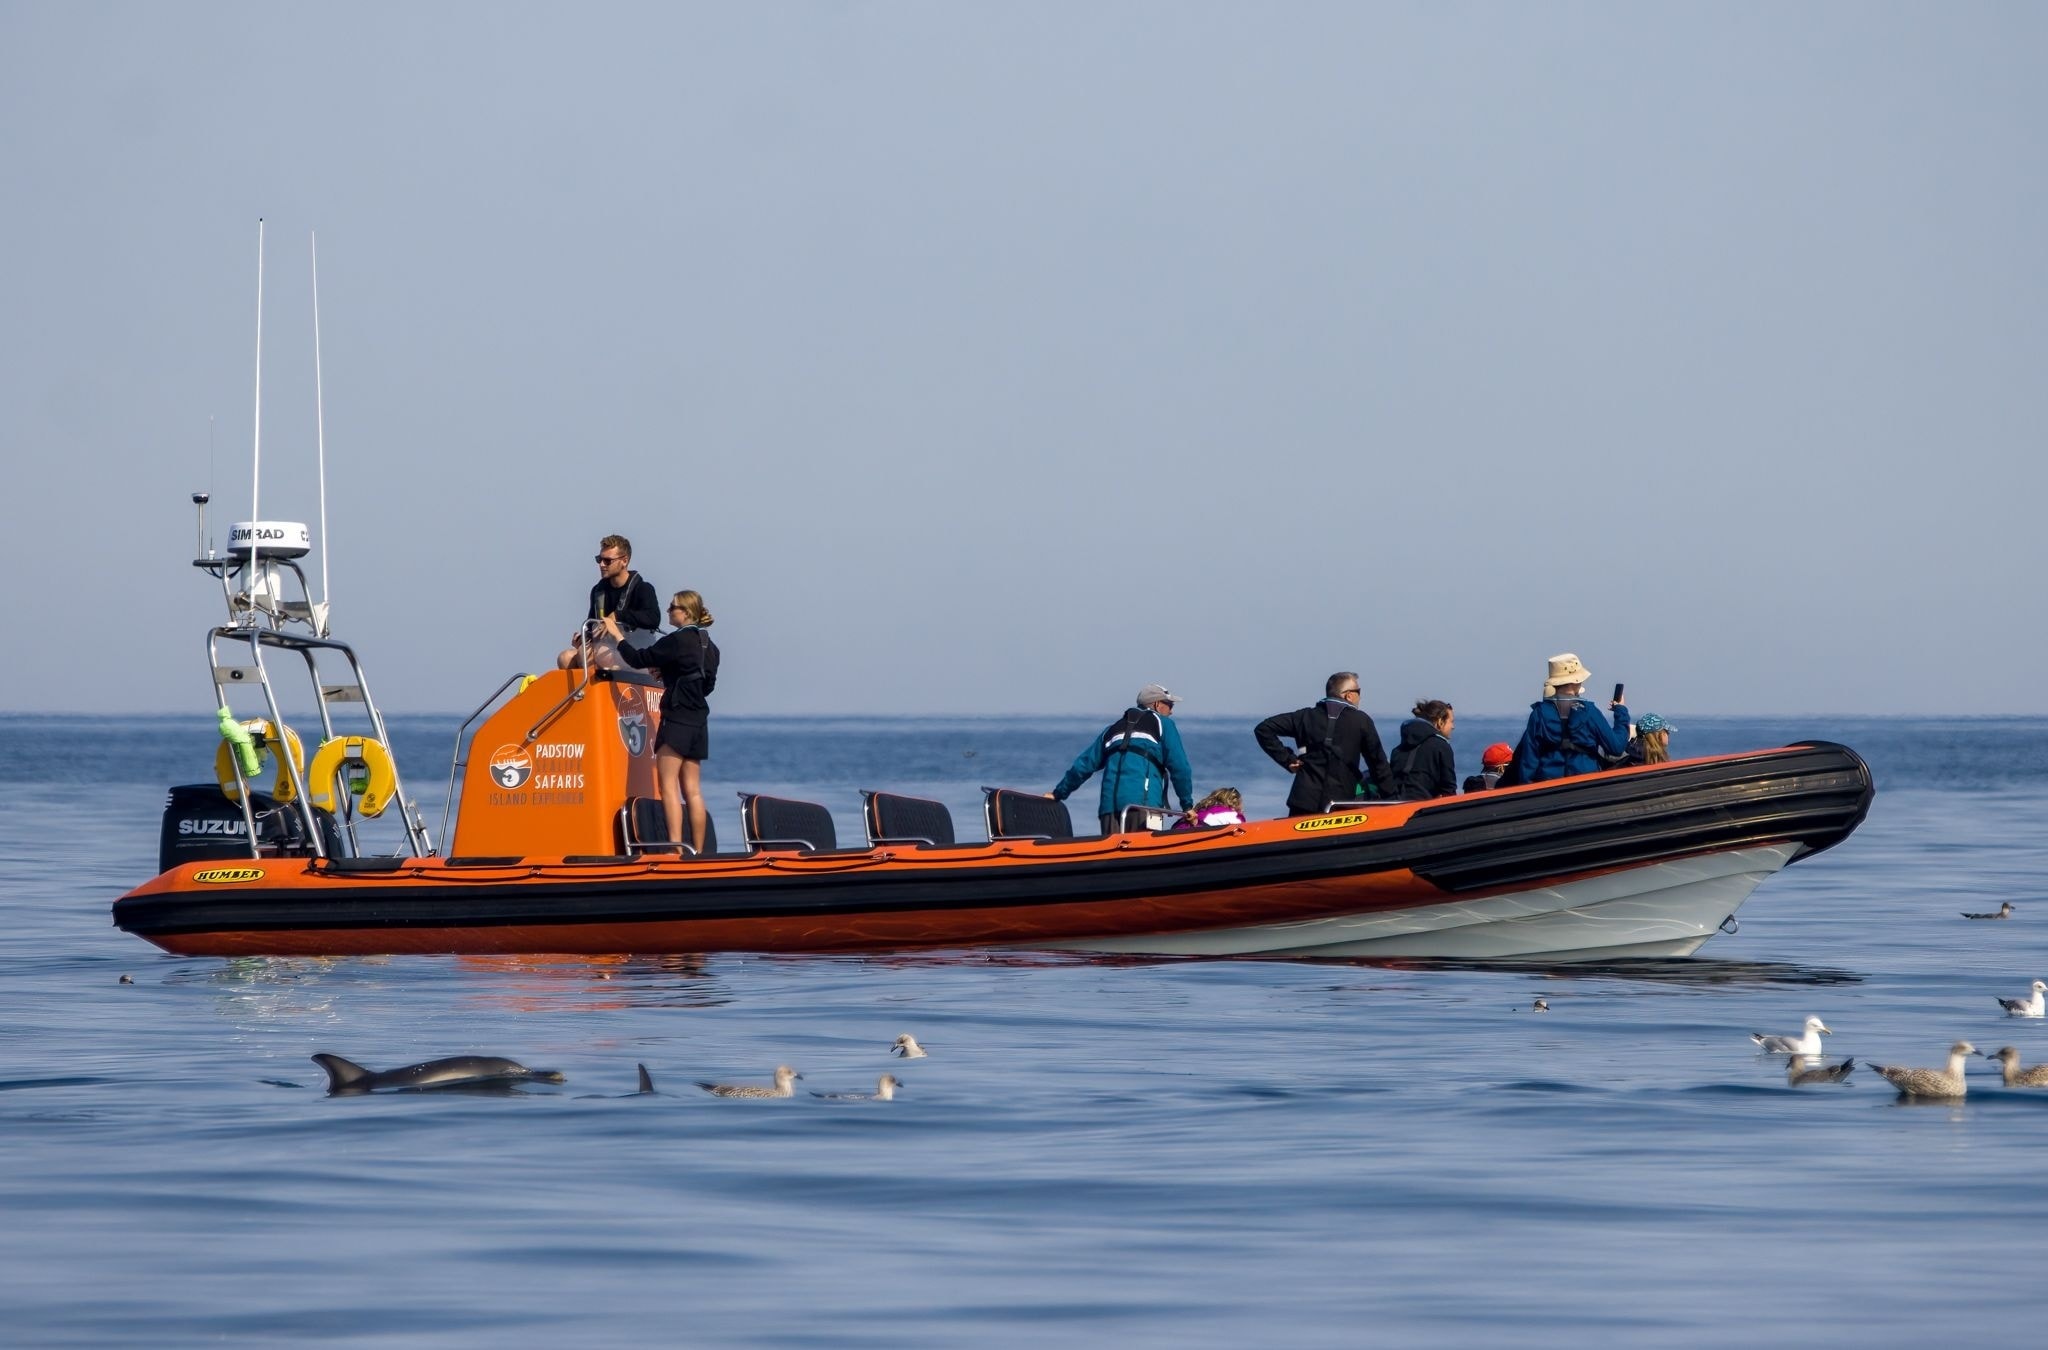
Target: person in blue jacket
column 1137, row 755
column 1566, row 735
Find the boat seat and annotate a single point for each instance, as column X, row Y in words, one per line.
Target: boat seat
column 370, row 864
column 643, row 825
column 781, row 822
column 893, row 819
column 1024, row 815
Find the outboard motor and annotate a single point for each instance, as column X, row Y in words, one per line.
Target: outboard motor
column 202, row 825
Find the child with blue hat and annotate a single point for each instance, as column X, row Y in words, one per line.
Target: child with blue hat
column 1652, row 741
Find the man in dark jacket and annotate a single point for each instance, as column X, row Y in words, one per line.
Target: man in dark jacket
column 621, row 594
column 1331, row 738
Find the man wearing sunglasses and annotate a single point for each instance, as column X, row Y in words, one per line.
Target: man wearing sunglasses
column 1333, row 741
column 621, row 594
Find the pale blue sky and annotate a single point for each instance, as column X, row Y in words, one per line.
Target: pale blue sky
column 977, row 358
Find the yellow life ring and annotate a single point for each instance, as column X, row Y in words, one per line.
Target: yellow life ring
column 374, row 781
column 267, row 736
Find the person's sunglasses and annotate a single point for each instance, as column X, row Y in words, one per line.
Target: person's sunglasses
column 602, row 560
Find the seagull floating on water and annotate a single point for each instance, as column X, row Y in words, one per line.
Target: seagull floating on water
column 2004, row 912
column 1808, row 1044
column 906, row 1045
column 2027, row 1007
column 785, row 1080
column 1798, row 1074
column 885, row 1091
column 2009, row 1059
column 1932, row 1082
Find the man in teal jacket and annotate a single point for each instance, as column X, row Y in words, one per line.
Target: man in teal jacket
column 1136, row 755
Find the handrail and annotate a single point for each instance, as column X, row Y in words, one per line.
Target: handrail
column 307, row 649
column 577, row 689
column 457, row 761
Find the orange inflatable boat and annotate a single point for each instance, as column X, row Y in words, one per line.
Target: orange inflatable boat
column 558, row 843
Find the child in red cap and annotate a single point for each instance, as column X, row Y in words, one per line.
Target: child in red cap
column 1493, row 762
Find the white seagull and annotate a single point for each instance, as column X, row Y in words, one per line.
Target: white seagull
column 1808, row 1044
column 906, row 1045
column 2027, row 1007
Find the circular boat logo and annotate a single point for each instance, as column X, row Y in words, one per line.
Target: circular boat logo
column 511, row 766
column 633, row 731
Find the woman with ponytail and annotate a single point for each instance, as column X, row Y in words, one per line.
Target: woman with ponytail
column 687, row 661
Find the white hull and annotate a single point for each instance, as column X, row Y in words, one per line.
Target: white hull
column 1664, row 909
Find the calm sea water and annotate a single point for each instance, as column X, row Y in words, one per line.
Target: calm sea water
column 1127, row 1152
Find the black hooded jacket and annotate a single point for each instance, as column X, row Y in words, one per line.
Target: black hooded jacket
column 1423, row 764
column 1334, row 737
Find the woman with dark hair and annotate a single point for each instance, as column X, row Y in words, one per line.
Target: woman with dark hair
column 1423, row 764
column 687, row 661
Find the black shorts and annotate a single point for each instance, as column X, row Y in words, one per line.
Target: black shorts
column 691, row 740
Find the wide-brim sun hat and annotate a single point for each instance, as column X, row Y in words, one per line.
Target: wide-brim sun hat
column 1566, row 668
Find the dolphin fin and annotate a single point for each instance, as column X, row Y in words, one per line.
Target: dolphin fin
column 342, row 1074
column 646, row 1082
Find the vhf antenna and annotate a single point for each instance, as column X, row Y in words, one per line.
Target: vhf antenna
column 320, row 438
column 256, row 480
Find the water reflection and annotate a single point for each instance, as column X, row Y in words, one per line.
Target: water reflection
column 266, row 988
column 595, row 983
column 1691, row 970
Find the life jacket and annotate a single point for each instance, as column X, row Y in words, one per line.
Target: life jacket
column 1322, row 758
column 1141, row 733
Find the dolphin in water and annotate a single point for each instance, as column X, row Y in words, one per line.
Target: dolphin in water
column 646, row 1089
column 458, row 1071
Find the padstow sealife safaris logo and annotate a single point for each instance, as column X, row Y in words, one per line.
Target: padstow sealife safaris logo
column 633, row 731
column 511, row 766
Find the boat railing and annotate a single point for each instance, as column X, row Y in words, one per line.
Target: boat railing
column 1139, row 817
column 582, row 674
column 458, row 760
column 325, row 693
